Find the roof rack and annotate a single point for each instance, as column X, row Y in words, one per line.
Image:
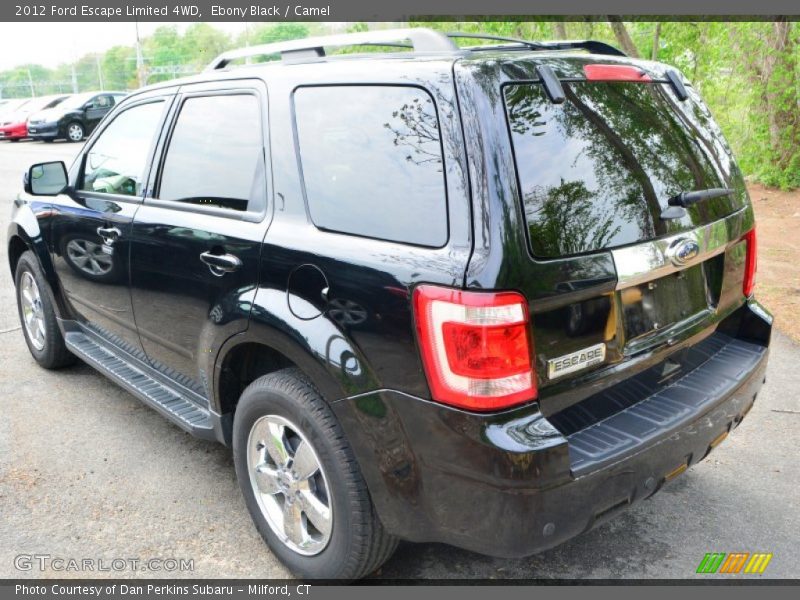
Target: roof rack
column 421, row 40
column 592, row 46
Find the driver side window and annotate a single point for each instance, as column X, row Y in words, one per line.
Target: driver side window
column 116, row 163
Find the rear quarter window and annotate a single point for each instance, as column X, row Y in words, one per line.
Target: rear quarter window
column 371, row 159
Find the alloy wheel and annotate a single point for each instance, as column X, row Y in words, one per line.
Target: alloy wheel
column 75, row 132
column 289, row 484
column 32, row 310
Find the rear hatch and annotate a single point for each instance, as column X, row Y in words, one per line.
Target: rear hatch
column 606, row 154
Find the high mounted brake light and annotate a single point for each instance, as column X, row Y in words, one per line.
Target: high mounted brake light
column 750, row 263
column 476, row 347
column 615, row 73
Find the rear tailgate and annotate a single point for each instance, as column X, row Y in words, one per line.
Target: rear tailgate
column 603, row 172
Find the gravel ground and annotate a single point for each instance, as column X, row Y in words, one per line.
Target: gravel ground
column 88, row 471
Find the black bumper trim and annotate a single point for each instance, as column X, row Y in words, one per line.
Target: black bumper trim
column 666, row 411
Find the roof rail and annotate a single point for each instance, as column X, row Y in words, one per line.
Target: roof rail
column 422, row 40
column 591, row 46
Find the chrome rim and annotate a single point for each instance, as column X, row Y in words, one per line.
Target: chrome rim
column 290, row 485
column 89, row 257
column 75, row 133
column 32, row 310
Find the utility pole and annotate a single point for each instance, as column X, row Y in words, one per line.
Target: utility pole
column 246, row 42
column 140, row 74
column 30, row 83
column 99, row 72
column 74, row 80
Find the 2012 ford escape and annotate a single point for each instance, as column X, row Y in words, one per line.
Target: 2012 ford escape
column 483, row 296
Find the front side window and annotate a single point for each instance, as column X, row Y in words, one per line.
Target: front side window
column 216, row 154
column 372, row 162
column 102, row 102
column 117, row 161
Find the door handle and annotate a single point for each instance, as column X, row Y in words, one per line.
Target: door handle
column 108, row 234
column 221, row 263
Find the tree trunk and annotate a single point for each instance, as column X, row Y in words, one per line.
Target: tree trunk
column 623, row 37
column 560, row 30
column 656, row 35
column 781, row 93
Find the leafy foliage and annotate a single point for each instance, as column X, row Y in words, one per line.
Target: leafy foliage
column 745, row 71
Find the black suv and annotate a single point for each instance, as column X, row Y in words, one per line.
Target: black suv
column 74, row 118
column 484, row 296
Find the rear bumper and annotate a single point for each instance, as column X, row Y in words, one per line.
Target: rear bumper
column 517, row 483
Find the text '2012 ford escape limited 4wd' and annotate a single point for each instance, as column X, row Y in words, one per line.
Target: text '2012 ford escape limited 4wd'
column 483, row 296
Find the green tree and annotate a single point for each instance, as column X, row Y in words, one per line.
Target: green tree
column 201, row 43
column 119, row 68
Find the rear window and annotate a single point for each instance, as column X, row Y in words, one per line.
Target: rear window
column 596, row 171
column 372, row 162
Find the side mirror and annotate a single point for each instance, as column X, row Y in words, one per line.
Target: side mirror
column 46, row 179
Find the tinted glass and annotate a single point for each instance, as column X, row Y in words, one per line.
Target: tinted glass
column 596, row 171
column 117, row 160
column 102, row 102
column 372, row 162
column 216, row 156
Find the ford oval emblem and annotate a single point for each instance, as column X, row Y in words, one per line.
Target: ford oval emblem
column 682, row 251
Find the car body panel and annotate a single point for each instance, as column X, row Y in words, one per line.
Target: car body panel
column 184, row 312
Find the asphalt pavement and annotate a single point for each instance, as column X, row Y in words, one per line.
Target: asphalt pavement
column 88, row 472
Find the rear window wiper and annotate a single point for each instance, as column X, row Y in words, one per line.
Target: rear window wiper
column 678, row 204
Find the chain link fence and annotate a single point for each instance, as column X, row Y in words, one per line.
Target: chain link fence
column 35, row 87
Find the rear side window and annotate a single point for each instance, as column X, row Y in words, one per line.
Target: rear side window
column 372, row 162
column 215, row 156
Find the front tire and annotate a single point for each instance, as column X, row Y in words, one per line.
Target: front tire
column 38, row 317
column 75, row 132
column 301, row 482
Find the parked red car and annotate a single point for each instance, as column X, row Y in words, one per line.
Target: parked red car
column 14, row 125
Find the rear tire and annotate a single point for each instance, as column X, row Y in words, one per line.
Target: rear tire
column 353, row 542
column 38, row 317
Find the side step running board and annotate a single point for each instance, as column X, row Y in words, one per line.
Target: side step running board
column 154, row 392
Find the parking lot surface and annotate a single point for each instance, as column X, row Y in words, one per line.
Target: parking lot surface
column 87, row 471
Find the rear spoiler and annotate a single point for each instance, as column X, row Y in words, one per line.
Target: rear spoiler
column 591, row 46
column 555, row 91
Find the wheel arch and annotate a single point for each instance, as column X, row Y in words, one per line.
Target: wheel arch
column 16, row 248
column 20, row 241
column 264, row 348
column 24, row 233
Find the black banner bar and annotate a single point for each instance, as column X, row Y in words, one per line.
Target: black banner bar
column 373, row 10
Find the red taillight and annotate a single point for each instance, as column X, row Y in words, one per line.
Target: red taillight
column 476, row 347
column 750, row 263
column 615, row 73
